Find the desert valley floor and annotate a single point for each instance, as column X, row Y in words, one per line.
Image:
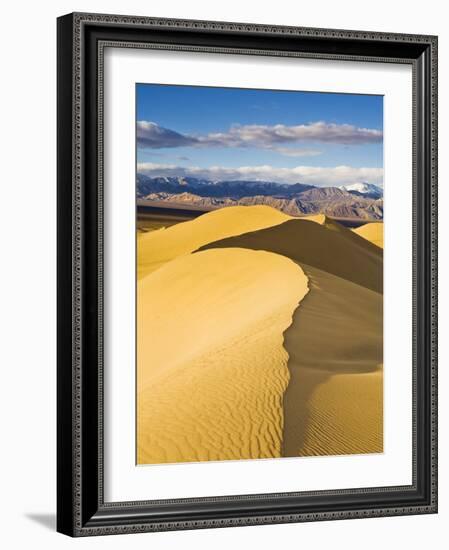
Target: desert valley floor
column 259, row 335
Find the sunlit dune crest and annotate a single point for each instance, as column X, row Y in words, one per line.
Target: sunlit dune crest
column 329, row 247
column 212, row 369
column 263, row 343
column 373, row 232
column 156, row 248
column 317, row 218
column 333, row 403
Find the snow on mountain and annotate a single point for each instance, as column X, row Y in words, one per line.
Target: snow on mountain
column 362, row 200
column 366, row 189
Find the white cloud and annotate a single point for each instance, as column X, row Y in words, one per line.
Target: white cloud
column 293, row 152
column 151, row 135
column 316, row 131
column 313, row 175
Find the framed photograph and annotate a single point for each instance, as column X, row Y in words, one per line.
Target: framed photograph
column 246, row 274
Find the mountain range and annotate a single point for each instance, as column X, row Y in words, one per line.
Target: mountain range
column 359, row 200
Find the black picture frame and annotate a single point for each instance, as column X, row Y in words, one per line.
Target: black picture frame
column 81, row 510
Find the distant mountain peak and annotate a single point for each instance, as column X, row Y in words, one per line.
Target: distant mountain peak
column 366, row 189
column 352, row 201
column 224, row 188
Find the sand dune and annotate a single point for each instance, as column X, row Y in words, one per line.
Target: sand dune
column 317, row 218
column 333, row 403
column 327, row 246
column 339, row 414
column 212, row 369
column 236, row 369
column 373, row 232
column 156, row 248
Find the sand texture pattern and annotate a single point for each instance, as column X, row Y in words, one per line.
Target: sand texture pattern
column 212, row 369
column 265, row 342
column 333, row 403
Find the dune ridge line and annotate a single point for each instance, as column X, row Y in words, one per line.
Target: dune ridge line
column 211, row 384
column 156, row 248
column 299, row 378
column 333, row 404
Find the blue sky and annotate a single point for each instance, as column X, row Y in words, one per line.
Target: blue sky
column 222, row 133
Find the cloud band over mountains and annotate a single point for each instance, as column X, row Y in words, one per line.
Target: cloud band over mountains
column 313, row 175
column 152, row 136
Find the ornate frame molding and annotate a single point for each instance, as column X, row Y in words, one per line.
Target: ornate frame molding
column 82, row 512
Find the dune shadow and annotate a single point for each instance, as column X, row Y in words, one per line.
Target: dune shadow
column 301, row 387
column 331, row 248
column 337, row 328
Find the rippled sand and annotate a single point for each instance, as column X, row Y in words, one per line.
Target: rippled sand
column 259, row 335
column 334, row 401
column 212, row 369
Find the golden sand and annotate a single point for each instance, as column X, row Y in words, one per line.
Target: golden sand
column 212, row 369
column 329, row 247
column 333, row 403
column 156, row 248
column 373, row 232
column 230, row 367
column 335, row 343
